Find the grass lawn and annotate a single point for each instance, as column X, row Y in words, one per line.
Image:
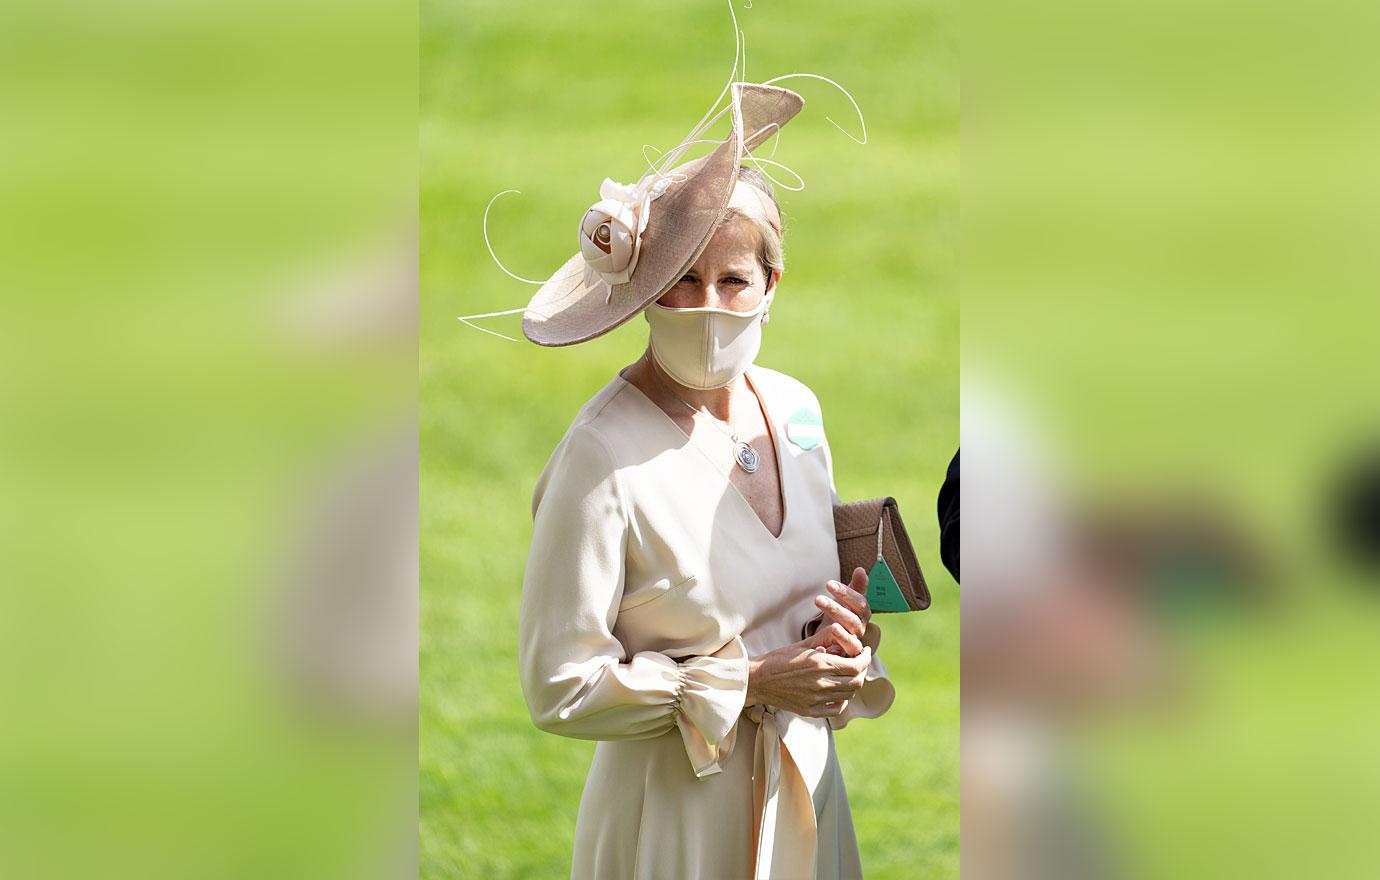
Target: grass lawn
column 550, row 100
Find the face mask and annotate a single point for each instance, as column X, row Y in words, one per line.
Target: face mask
column 706, row 348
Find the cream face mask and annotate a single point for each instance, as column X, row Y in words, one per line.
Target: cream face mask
column 706, row 348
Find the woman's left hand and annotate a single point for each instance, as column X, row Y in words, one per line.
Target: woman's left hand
column 846, row 614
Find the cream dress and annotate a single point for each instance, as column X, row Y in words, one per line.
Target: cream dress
column 650, row 582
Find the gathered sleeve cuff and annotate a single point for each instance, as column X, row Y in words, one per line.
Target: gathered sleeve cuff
column 711, row 696
column 649, row 696
column 877, row 693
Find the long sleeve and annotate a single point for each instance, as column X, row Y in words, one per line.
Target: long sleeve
column 576, row 676
column 947, row 506
column 829, row 464
column 813, row 623
column 877, row 693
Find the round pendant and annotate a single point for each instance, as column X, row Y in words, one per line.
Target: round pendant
column 747, row 457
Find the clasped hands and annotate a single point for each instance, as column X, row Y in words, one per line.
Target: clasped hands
column 818, row 675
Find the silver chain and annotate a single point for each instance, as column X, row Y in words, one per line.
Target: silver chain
column 745, row 454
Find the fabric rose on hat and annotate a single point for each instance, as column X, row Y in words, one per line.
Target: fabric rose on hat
column 611, row 232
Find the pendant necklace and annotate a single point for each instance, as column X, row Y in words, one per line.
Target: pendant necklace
column 744, row 455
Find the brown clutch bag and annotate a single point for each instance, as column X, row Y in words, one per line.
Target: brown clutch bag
column 872, row 536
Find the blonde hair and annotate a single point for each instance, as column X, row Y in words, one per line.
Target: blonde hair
column 770, row 250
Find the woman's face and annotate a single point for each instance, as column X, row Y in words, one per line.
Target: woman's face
column 728, row 275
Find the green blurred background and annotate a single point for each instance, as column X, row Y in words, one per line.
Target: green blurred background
column 1169, row 235
column 550, row 99
column 205, row 276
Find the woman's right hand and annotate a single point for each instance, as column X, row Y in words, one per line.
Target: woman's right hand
column 806, row 679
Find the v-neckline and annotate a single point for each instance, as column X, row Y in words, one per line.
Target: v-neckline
column 772, row 434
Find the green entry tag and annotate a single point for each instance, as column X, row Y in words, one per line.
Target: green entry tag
column 883, row 593
column 805, row 429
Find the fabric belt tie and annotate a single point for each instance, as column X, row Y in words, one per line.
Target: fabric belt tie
column 782, row 808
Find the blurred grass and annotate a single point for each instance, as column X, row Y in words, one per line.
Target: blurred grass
column 1175, row 277
column 197, row 197
column 550, row 100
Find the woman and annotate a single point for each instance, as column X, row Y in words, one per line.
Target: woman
column 683, row 547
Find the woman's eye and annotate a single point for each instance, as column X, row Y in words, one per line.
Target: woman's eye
column 734, row 279
column 687, row 279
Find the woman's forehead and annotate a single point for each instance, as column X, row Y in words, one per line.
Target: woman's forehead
column 734, row 244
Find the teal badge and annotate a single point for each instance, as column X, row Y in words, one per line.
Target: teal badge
column 883, row 593
column 805, row 429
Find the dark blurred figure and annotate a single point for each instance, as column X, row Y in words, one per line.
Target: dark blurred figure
column 948, row 518
column 1356, row 511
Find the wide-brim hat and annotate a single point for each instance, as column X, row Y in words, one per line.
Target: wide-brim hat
column 686, row 206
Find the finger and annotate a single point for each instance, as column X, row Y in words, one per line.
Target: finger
column 858, row 586
column 848, row 643
column 850, row 666
column 829, row 649
column 838, row 692
column 834, row 694
column 850, row 621
column 852, row 599
column 858, row 583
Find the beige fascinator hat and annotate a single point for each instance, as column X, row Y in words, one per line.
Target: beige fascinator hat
column 639, row 239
